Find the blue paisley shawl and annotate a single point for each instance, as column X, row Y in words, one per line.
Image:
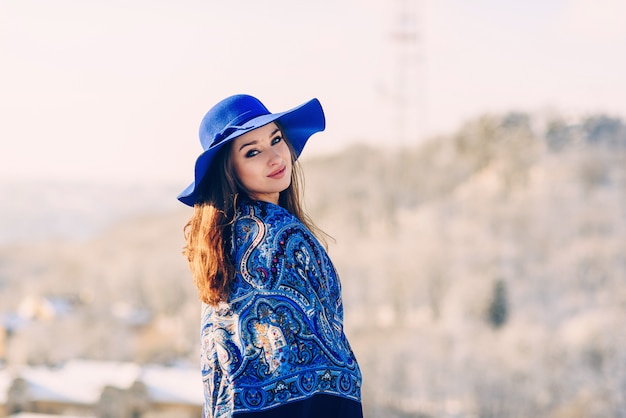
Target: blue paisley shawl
column 279, row 338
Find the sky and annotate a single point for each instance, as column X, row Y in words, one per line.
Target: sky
column 113, row 91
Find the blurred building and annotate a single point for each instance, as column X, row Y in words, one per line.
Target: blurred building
column 102, row 390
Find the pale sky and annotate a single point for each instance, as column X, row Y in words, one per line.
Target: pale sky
column 114, row 90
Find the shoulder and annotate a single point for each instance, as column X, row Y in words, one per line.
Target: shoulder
column 254, row 218
column 258, row 236
column 268, row 230
column 258, row 226
column 264, row 211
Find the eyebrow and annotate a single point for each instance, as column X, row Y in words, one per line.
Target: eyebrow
column 255, row 141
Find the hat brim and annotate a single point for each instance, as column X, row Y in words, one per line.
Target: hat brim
column 298, row 124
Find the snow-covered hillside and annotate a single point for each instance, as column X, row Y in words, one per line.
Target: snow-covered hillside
column 484, row 273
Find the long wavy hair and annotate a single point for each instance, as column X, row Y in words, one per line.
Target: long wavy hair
column 208, row 231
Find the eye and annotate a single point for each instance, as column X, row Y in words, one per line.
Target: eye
column 276, row 139
column 251, row 153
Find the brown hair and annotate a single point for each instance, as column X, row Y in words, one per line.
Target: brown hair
column 208, row 232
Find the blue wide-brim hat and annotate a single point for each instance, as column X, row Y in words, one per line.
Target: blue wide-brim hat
column 238, row 114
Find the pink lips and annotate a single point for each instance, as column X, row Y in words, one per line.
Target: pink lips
column 278, row 173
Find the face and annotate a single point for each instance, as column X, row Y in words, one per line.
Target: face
column 262, row 162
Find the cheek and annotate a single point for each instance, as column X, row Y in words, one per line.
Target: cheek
column 245, row 171
column 239, row 169
column 285, row 152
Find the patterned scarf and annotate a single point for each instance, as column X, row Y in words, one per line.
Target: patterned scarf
column 280, row 337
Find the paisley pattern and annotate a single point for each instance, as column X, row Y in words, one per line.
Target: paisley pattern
column 280, row 337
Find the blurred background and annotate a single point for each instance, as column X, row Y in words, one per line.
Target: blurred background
column 472, row 173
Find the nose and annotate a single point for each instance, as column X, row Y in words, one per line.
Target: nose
column 274, row 157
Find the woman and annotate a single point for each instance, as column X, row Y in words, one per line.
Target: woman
column 272, row 335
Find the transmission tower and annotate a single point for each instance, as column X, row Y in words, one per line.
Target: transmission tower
column 408, row 91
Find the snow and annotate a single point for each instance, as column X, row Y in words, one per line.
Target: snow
column 82, row 381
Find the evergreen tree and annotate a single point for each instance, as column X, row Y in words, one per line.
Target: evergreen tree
column 498, row 311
